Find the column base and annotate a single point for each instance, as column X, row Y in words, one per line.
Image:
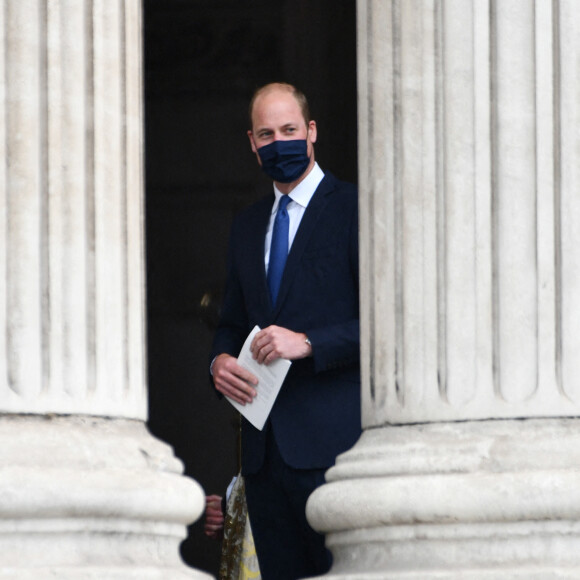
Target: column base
column 104, row 573
column 477, row 500
column 91, row 498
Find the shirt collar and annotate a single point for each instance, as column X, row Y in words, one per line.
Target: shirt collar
column 303, row 192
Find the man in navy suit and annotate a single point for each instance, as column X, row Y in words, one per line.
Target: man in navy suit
column 312, row 319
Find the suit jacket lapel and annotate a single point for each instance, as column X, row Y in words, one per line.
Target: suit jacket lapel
column 307, row 225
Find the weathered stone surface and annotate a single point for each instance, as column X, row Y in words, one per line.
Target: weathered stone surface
column 85, row 490
column 87, row 497
column 469, row 300
column 496, row 499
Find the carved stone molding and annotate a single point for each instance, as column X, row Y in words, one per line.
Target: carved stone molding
column 87, row 498
column 480, row 499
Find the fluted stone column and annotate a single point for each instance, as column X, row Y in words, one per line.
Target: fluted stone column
column 85, row 490
column 470, row 282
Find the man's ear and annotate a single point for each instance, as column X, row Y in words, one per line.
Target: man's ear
column 312, row 132
column 252, row 144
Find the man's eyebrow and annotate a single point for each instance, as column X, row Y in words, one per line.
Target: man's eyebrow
column 259, row 130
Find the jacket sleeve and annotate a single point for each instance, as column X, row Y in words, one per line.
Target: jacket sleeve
column 233, row 325
column 337, row 346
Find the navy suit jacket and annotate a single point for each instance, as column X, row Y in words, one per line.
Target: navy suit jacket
column 317, row 413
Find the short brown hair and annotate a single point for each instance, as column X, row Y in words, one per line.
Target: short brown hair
column 297, row 94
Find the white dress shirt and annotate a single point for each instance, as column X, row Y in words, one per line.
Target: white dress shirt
column 300, row 196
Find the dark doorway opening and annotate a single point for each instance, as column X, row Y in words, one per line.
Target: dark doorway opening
column 203, row 60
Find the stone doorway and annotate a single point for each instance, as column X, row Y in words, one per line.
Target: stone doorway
column 202, row 62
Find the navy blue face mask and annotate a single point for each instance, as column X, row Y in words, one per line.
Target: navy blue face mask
column 284, row 161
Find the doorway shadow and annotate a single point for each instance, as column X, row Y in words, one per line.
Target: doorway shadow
column 202, row 62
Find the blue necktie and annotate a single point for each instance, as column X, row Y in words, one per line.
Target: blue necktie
column 278, row 248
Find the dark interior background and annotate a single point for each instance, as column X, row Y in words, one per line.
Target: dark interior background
column 203, row 61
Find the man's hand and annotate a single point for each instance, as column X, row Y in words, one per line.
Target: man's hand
column 232, row 380
column 276, row 342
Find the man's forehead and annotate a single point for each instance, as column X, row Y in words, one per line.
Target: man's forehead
column 275, row 94
column 277, row 101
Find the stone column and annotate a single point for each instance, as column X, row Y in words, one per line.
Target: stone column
column 85, row 490
column 470, row 247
